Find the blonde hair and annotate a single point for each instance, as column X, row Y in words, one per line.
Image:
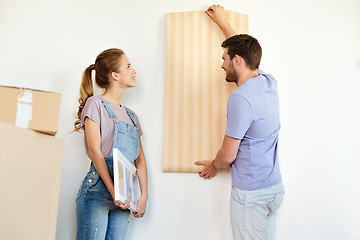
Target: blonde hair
column 106, row 62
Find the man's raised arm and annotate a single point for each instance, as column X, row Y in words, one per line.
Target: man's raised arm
column 217, row 14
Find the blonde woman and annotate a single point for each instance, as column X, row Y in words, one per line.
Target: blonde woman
column 107, row 124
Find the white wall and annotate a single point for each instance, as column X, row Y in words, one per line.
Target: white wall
column 311, row 47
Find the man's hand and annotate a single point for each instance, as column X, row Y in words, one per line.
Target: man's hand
column 217, row 14
column 209, row 169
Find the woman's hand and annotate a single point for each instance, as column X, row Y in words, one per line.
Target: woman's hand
column 141, row 207
column 123, row 206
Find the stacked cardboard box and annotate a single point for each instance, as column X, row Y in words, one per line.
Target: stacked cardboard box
column 31, row 163
column 28, row 108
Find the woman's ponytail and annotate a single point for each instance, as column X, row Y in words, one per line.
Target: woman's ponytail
column 86, row 91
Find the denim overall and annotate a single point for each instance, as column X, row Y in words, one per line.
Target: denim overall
column 97, row 215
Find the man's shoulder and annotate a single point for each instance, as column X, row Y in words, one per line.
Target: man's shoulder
column 244, row 91
column 267, row 75
column 238, row 93
column 239, row 98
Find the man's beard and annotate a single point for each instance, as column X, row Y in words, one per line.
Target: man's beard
column 231, row 76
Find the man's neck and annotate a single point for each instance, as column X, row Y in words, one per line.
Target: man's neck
column 246, row 75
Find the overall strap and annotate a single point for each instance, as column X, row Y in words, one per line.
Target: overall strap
column 131, row 116
column 108, row 109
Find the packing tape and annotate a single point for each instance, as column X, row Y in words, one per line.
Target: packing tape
column 24, row 108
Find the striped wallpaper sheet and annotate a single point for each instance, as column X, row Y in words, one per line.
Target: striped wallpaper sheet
column 196, row 92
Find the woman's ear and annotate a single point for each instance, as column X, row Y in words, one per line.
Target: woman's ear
column 115, row 76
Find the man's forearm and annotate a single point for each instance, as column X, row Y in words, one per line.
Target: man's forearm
column 222, row 161
column 227, row 29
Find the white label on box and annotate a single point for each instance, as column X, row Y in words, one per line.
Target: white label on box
column 24, row 108
column 23, row 114
column 25, row 96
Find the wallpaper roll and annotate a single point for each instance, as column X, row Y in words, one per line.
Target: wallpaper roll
column 196, row 92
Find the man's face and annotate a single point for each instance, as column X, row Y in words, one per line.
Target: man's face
column 228, row 67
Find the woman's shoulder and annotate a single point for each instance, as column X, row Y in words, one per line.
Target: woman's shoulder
column 134, row 117
column 92, row 105
column 130, row 110
column 93, row 101
column 92, row 110
column 132, row 113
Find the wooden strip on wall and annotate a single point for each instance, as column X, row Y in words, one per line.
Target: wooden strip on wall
column 196, row 92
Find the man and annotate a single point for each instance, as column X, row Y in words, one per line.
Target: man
column 251, row 137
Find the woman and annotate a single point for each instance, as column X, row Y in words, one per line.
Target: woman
column 107, row 124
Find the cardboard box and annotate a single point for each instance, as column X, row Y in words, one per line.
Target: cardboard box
column 30, row 183
column 28, row 108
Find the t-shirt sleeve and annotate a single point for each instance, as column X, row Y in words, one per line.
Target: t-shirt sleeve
column 91, row 110
column 239, row 116
column 138, row 124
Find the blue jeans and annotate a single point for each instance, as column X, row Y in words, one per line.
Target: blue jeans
column 253, row 213
column 97, row 216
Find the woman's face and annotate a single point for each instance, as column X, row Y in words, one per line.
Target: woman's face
column 126, row 73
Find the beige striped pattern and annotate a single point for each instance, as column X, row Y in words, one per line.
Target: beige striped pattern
column 196, row 92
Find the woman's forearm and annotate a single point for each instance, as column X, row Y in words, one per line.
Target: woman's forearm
column 140, row 164
column 102, row 169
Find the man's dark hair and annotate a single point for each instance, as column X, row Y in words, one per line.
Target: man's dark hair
column 246, row 47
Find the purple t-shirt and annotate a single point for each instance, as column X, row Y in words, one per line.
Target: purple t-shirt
column 95, row 110
column 253, row 117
